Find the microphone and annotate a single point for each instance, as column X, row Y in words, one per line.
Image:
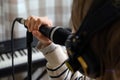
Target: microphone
column 56, row 34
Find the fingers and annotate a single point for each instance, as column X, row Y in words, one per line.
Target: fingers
column 46, row 21
column 33, row 22
column 27, row 23
column 37, row 24
column 36, row 34
column 41, row 38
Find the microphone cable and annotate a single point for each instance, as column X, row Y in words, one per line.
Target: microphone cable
column 12, row 48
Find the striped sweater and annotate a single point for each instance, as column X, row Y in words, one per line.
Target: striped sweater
column 56, row 68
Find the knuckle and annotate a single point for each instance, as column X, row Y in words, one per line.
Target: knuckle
column 39, row 20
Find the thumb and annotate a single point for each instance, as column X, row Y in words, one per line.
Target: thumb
column 36, row 34
column 41, row 37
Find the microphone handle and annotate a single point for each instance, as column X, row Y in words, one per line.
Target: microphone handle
column 46, row 31
column 56, row 34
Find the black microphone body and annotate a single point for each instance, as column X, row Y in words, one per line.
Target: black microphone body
column 57, row 34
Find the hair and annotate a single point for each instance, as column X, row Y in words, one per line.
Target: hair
column 105, row 43
column 79, row 11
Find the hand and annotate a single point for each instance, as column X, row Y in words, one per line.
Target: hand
column 33, row 23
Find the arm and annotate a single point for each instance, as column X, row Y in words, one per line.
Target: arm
column 53, row 53
column 56, row 68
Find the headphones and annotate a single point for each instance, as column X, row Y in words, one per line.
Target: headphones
column 81, row 57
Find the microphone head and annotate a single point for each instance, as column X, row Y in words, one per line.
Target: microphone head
column 60, row 35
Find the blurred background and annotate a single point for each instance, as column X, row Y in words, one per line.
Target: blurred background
column 56, row 10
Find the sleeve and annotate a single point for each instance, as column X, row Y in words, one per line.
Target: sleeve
column 56, row 68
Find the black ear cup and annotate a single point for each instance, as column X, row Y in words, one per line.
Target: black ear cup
column 83, row 60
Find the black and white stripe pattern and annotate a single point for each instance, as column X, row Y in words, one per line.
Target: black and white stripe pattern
column 60, row 72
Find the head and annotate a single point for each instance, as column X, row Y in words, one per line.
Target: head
column 79, row 10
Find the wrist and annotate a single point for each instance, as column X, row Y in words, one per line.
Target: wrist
column 46, row 48
column 46, row 44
